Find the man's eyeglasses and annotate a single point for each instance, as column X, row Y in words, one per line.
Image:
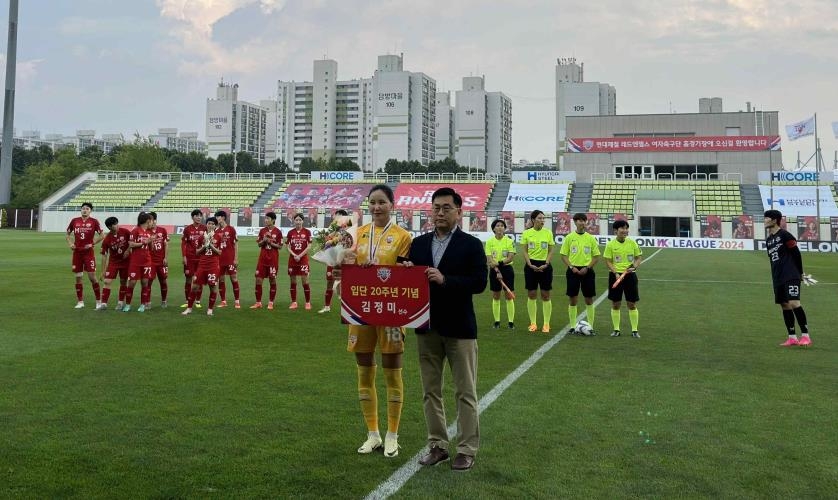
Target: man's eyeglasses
column 443, row 209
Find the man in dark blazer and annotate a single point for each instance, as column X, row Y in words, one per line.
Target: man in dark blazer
column 456, row 271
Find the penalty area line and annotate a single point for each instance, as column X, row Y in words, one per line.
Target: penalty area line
column 402, row 475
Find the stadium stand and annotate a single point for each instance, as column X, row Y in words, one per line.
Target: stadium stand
column 711, row 197
column 117, row 193
column 191, row 193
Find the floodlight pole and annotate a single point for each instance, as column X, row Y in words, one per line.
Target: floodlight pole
column 9, row 108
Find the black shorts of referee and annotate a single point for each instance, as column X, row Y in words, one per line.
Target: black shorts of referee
column 627, row 287
column 586, row 282
column 542, row 279
column 506, row 273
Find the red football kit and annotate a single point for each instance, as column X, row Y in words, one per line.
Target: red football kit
column 298, row 241
column 158, row 253
column 268, row 262
column 189, row 246
column 209, row 262
column 116, row 246
column 140, row 264
column 228, row 249
column 84, row 232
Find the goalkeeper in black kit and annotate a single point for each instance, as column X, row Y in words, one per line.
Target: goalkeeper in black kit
column 786, row 275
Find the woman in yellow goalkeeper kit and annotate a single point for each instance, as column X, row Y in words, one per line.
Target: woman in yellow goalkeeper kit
column 381, row 242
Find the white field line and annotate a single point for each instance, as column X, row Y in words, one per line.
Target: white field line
column 394, row 483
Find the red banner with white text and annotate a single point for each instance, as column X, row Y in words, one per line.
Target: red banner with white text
column 385, row 296
column 672, row 144
column 418, row 196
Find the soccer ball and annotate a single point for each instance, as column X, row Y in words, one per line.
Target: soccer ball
column 584, row 328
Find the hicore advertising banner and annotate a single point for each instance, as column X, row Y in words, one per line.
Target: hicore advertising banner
column 528, row 197
column 796, row 201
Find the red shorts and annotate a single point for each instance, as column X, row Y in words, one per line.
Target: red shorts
column 190, row 266
column 204, row 276
column 298, row 268
column 160, row 272
column 137, row 273
column 84, row 261
column 229, row 269
column 265, row 271
column 115, row 270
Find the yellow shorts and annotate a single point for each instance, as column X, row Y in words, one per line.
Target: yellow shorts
column 389, row 339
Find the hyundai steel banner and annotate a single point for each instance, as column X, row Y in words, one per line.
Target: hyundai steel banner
column 672, row 144
column 545, row 197
column 544, row 175
column 795, row 201
column 418, row 196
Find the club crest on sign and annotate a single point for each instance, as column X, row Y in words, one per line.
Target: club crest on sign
column 588, row 145
column 384, row 274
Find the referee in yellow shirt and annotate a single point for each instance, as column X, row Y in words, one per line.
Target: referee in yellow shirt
column 538, row 245
column 580, row 253
column 623, row 255
column 500, row 252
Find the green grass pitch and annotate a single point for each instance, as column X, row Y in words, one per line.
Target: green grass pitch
column 263, row 403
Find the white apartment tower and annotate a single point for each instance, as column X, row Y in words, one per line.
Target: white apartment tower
column 404, row 113
column 368, row 121
column 444, row 127
column 234, row 125
column 576, row 97
column 324, row 118
column 483, row 128
column 184, row 142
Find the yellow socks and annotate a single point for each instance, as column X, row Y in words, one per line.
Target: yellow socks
column 496, row 309
column 531, row 310
column 571, row 315
column 510, row 310
column 634, row 318
column 546, row 310
column 590, row 311
column 395, row 390
column 615, row 318
column 368, row 397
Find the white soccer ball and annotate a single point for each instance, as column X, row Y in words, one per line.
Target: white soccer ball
column 584, row 328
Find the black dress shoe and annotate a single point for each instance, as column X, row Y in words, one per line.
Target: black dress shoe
column 435, row 455
column 462, row 462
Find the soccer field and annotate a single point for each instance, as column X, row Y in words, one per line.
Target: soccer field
column 264, row 403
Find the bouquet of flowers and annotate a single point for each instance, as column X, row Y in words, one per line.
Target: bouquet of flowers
column 333, row 243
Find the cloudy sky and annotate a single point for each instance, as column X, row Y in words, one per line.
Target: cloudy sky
column 125, row 66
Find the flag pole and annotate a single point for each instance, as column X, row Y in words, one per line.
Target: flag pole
column 817, row 177
column 771, row 174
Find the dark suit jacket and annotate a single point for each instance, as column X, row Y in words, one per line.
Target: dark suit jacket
column 464, row 266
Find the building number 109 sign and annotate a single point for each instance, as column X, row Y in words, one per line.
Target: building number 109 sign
column 385, row 296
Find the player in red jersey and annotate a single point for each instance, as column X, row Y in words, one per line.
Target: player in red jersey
column 298, row 241
column 209, row 265
column 270, row 241
column 159, row 260
column 188, row 249
column 229, row 259
column 81, row 237
column 139, row 268
column 332, row 274
column 115, row 258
